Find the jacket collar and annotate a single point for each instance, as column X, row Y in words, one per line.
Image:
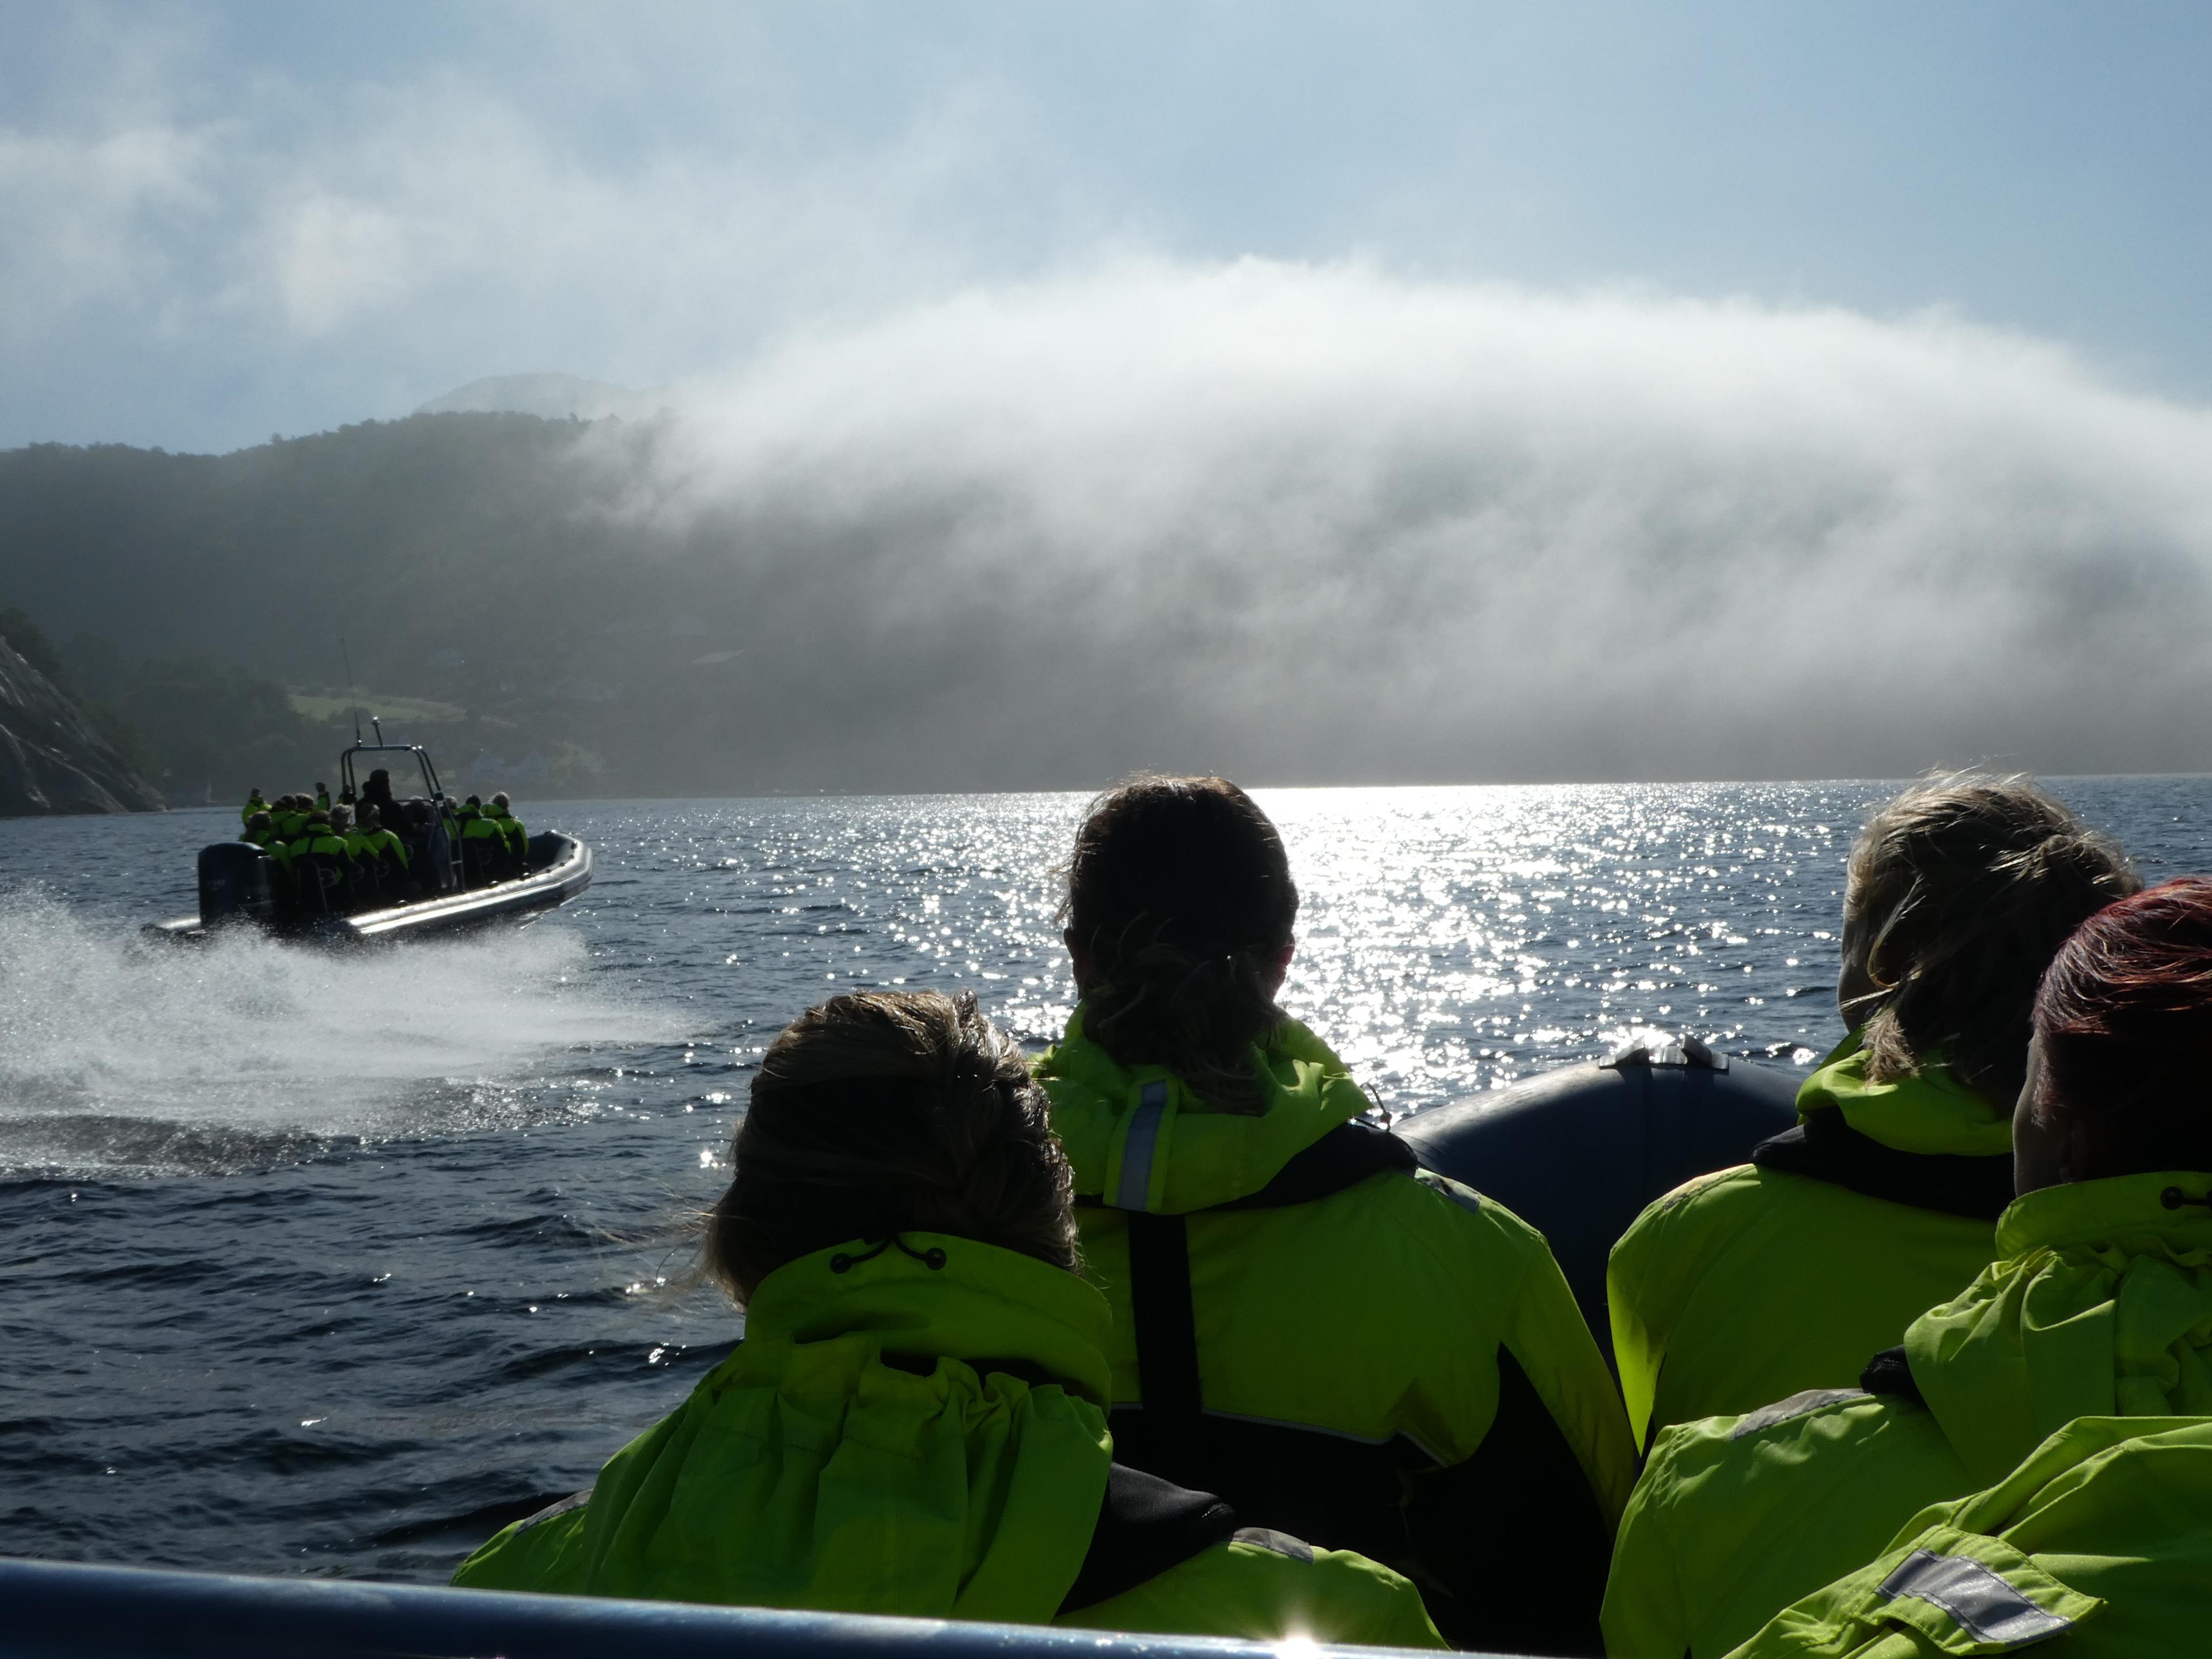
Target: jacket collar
column 1138, row 1138
column 2099, row 1304
column 1931, row 1111
column 983, row 1302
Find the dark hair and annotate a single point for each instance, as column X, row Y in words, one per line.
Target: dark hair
column 1180, row 897
column 886, row 1112
column 1968, row 884
column 2124, row 1018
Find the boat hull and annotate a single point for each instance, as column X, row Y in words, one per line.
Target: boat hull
column 561, row 868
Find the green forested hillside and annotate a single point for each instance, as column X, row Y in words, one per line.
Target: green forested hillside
column 475, row 566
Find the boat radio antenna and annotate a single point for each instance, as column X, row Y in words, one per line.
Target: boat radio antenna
column 352, row 691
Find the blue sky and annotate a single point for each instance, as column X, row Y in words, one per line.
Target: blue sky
column 217, row 222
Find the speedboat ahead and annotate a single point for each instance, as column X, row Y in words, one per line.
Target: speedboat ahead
column 240, row 885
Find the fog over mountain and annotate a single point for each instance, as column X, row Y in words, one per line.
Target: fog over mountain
column 1299, row 522
column 548, row 397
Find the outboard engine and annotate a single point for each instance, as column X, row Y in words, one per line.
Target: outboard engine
column 235, row 884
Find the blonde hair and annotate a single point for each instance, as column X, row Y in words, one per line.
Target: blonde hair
column 1965, row 886
column 885, row 1112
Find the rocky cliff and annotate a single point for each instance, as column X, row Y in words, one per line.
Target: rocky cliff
column 51, row 758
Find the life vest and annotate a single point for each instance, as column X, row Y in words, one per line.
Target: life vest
column 1307, row 1324
column 2098, row 1546
column 849, row 1456
column 2099, row 1304
column 1751, row 1284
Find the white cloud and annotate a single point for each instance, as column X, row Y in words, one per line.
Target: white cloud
column 1319, row 522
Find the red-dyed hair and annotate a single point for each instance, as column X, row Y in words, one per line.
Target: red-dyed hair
column 2124, row 1013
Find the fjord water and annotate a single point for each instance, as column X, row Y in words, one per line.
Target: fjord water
column 331, row 1262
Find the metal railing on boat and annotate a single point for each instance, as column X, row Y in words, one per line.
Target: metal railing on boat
column 49, row 1610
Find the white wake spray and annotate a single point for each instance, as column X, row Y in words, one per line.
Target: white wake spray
column 121, row 1056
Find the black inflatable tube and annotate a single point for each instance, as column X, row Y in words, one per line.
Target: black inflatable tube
column 1579, row 1151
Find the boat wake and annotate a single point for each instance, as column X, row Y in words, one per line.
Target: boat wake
column 117, row 1059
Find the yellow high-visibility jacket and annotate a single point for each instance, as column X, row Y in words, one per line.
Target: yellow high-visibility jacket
column 2099, row 1305
column 1345, row 1346
column 918, row 1427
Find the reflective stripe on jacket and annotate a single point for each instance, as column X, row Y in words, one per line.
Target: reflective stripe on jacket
column 1752, row 1284
column 848, row 1457
column 2098, row 1546
column 1352, row 1352
column 2099, row 1305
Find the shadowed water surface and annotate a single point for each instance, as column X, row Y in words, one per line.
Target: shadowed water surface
column 331, row 1263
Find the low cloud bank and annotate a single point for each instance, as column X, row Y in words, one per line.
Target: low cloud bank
column 1322, row 525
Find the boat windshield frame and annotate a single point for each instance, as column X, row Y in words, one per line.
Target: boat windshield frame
column 433, row 788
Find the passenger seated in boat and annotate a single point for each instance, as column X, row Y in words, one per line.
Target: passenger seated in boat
column 418, row 820
column 1343, row 1346
column 2099, row 1303
column 1751, row 1283
column 261, row 830
column 484, row 855
column 361, row 863
column 291, row 816
column 916, row 1421
column 253, row 803
column 322, row 867
column 518, row 841
column 387, row 853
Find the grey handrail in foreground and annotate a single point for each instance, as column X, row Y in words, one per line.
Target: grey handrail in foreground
column 49, row 1610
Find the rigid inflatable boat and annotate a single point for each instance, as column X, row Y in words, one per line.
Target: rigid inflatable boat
column 240, row 885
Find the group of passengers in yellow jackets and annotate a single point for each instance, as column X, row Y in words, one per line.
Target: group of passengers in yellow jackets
column 1159, row 1333
column 347, row 857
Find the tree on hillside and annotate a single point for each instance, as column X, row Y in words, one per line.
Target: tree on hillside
column 219, row 731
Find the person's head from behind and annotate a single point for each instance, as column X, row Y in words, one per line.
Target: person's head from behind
column 1178, row 916
column 2123, row 1025
column 882, row 1113
column 259, row 822
column 341, row 818
column 499, row 800
column 318, row 819
column 1957, row 894
column 475, row 801
column 372, row 818
column 381, row 780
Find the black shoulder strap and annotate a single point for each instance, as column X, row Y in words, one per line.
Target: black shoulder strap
column 1162, row 1321
column 1888, row 1374
column 1159, row 1266
column 1343, row 1158
column 1146, row 1526
column 1826, row 1148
